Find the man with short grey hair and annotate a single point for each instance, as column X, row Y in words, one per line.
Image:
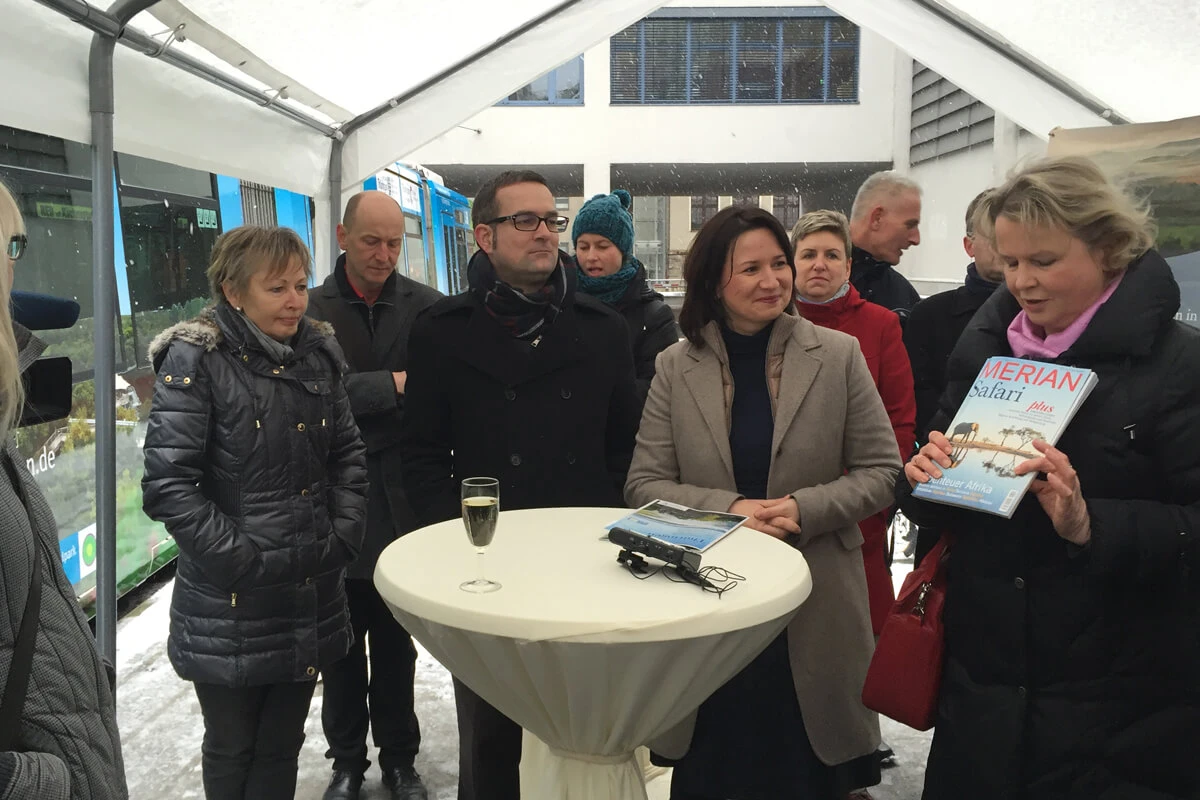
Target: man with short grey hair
column 884, row 222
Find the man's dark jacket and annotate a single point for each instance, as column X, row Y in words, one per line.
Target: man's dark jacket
column 375, row 341
column 554, row 422
column 879, row 282
column 933, row 328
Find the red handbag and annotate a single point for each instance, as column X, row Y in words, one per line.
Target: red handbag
column 905, row 676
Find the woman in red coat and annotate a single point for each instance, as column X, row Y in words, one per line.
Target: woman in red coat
column 825, row 297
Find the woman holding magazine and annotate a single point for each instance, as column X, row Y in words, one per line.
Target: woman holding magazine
column 1072, row 632
column 764, row 414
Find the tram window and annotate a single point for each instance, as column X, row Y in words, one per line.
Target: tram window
column 416, row 250
column 167, row 247
column 161, row 176
column 58, row 261
column 19, row 148
column 462, row 256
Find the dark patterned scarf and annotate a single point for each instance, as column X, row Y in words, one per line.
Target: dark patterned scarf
column 523, row 315
column 976, row 283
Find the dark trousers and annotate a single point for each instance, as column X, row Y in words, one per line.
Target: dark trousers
column 381, row 698
column 252, row 739
column 489, row 749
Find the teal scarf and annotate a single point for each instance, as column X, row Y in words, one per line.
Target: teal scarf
column 608, row 288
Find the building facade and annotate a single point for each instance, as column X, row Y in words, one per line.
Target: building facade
column 695, row 108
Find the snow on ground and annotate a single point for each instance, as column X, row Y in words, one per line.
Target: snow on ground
column 161, row 726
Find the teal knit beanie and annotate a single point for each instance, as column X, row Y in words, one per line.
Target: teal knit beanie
column 607, row 215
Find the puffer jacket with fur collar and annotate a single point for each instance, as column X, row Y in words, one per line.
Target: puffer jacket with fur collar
column 257, row 469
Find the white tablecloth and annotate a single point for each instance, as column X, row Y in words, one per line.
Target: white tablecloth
column 573, row 648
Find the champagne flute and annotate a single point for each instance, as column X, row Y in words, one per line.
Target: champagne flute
column 481, row 511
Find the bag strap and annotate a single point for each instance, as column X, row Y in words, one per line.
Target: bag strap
column 13, row 703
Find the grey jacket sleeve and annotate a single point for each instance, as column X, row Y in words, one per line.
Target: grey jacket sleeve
column 33, row 776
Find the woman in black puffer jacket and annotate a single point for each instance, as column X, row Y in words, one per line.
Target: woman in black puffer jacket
column 603, row 240
column 1072, row 664
column 255, row 465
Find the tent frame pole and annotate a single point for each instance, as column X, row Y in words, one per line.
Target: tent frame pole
column 106, row 308
column 106, row 24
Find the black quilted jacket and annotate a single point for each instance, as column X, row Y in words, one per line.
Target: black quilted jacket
column 258, row 471
column 1072, row 673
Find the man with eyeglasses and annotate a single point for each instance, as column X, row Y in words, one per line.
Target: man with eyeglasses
column 524, row 379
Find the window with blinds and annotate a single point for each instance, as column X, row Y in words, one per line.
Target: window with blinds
column 704, row 208
column 787, row 209
column 258, row 205
column 687, row 61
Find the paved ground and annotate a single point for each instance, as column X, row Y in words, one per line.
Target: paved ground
column 161, row 726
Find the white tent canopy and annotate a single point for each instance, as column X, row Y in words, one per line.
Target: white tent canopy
column 1044, row 65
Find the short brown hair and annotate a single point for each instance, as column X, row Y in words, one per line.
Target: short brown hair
column 824, row 220
column 973, row 211
column 1072, row 194
column 240, row 253
column 485, row 207
column 704, row 264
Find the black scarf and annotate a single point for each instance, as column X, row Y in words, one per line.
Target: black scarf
column 523, row 315
column 976, row 284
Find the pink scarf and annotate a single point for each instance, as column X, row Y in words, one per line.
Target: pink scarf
column 1030, row 341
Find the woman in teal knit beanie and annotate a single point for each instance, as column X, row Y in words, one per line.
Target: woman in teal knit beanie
column 603, row 239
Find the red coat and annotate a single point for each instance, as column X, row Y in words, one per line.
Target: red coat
column 878, row 332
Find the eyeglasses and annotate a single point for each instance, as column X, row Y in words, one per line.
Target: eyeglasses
column 528, row 221
column 16, row 246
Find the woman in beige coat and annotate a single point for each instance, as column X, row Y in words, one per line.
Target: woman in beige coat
column 762, row 413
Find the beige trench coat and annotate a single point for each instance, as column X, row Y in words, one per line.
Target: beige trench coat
column 834, row 452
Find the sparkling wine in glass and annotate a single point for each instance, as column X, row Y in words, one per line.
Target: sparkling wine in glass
column 481, row 512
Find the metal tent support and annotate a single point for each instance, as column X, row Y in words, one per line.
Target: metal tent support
column 104, row 287
column 105, row 23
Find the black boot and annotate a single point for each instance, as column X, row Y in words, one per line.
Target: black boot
column 405, row 784
column 344, row 785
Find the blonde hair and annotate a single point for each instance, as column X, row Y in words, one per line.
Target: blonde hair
column 12, row 390
column 1073, row 194
column 824, row 220
column 240, row 253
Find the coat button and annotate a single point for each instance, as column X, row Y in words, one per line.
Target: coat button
column 515, row 460
column 186, row 381
column 1019, row 583
column 510, row 394
column 570, row 458
column 1021, row 691
column 245, row 358
column 299, row 426
column 166, row 379
column 275, row 371
column 310, row 671
column 304, row 492
column 566, row 394
column 308, row 581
